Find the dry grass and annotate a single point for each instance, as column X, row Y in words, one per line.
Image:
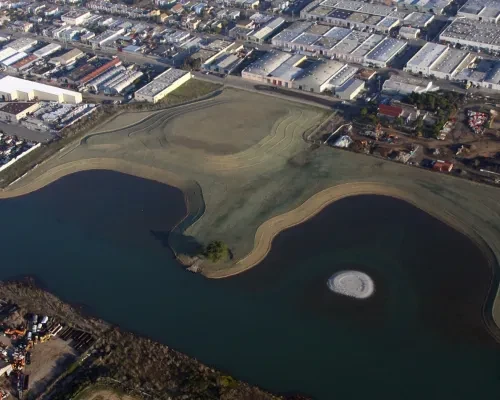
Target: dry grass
column 103, row 393
column 192, row 89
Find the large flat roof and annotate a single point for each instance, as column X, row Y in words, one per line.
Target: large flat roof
column 473, row 31
column 161, row 82
column 320, row 72
column 450, row 61
column 268, row 63
column 386, row 50
column 10, row 84
column 427, row 55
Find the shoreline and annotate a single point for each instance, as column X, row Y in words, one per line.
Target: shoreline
column 267, row 231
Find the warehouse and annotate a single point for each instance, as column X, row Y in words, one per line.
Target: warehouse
column 75, row 17
column 67, row 58
column 409, row 33
column 418, row 20
column 403, row 86
column 15, row 111
column 22, row 44
column 486, row 74
column 261, row 35
column 47, row 50
column 384, row 52
column 350, row 90
column 353, row 15
column 12, row 88
column 340, row 43
column 474, row 34
column 316, row 78
column 162, row 85
column 260, row 70
column 430, row 6
column 481, row 10
column 439, row 61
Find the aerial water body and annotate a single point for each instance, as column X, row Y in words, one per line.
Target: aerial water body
column 99, row 239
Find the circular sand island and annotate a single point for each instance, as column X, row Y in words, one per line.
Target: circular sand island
column 352, row 283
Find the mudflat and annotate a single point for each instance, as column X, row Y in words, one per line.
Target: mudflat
column 247, row 173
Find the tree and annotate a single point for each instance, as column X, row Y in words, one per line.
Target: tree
column 216, row 251
column 364, row 111
column 398, row 121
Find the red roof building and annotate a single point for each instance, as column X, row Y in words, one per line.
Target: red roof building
column 442, row 166
column 390, row 111
column 114, row 62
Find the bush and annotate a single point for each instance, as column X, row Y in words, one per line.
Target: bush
column 216, row 251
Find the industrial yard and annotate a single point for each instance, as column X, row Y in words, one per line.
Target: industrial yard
column 71, row 363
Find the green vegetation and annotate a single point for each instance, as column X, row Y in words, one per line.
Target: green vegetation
column 191, row 90
column 216, row 251
column 227, row 381
column 443, row 104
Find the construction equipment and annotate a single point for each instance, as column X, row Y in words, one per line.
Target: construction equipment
column 18, row 332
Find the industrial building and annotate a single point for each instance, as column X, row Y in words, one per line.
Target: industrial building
column 47, row 50
column 353, row 15
column 474, row 34
column 485, row 74
column 350, row 90
column 418, row 20
column 339, row 43
column 162, row 85
column 438, row 60
column 14, row 111
column 226, row 60
column 12, row 88
column 67, row 58
column 262, row 34
column 481, row 10
column 409, row 33
column 296, row 71
column 75, row 17
column 429, row 6
column 22, row 44
column 398, row 85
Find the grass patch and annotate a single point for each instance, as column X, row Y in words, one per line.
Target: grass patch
column 191, row 90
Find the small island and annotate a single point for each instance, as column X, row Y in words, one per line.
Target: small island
column 351, row 283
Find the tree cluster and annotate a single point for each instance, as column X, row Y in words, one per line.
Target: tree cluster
column 216, row 251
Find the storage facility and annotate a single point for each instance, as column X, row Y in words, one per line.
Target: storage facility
column 162, row 85
column 481, row 10
column 340, row 43
column 353, row 14
column 439, row 61
column 12, row 88
column 67, row 58
column 485, row 74
column 474, row 34
column 47, row 50
column 14, row 111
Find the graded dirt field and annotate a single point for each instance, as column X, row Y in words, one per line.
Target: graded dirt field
column 241, row 160
column 48, row 360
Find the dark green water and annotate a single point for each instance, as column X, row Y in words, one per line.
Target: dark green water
column 98, row 238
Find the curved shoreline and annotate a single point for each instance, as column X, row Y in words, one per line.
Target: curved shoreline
column 268, row 230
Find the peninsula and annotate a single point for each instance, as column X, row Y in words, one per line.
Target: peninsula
column 255, row 176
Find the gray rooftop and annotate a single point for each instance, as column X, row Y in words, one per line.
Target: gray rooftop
column 161, row 82
column 386, row 50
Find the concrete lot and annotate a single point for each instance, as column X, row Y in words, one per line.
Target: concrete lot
column 48, row 360
column 25, row 133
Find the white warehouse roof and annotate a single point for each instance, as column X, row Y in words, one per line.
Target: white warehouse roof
column 11, row 84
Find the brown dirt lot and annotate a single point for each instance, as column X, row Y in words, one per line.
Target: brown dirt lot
column 48, row 360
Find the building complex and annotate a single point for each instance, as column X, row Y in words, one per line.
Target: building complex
column 340, row 43
column 12, row 88
column 162, row 85
column 439, row 61
column 474, row 34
